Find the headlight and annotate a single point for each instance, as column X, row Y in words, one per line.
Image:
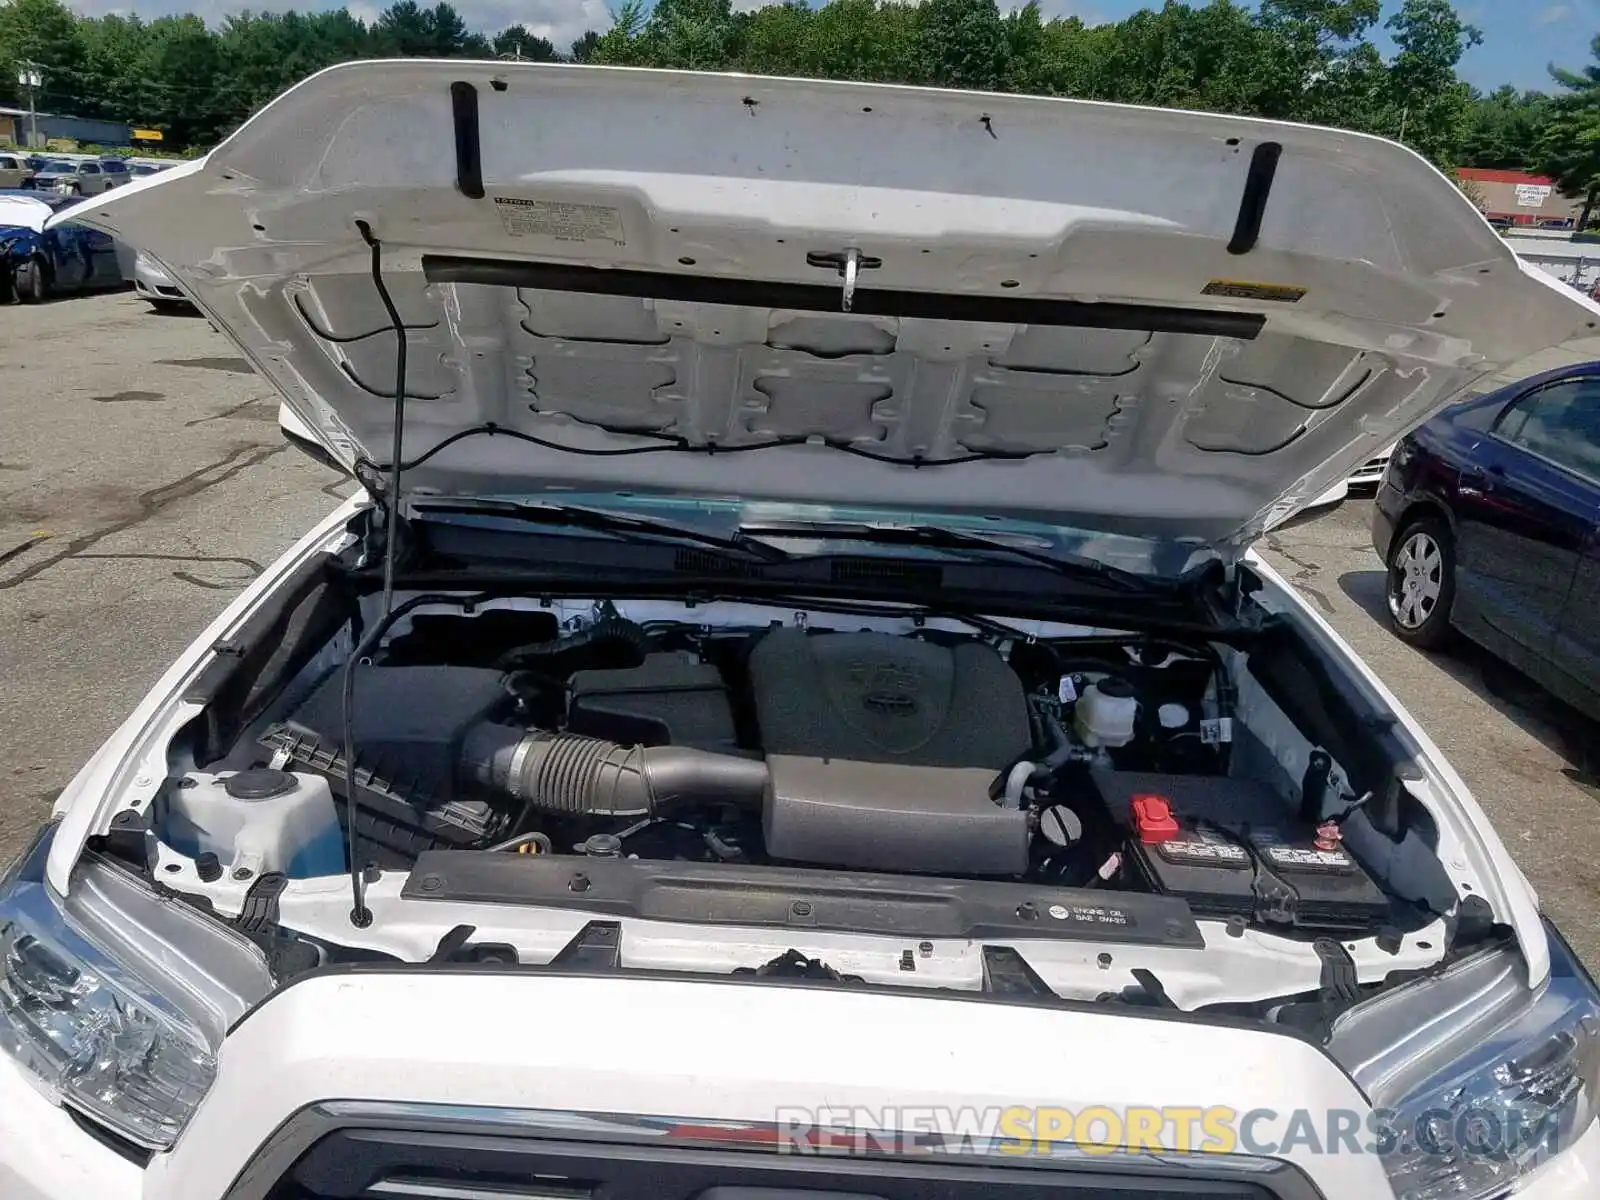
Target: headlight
column 114, row 1001
column 1490, row 1082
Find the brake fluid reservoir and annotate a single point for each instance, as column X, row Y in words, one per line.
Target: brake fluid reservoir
column 1105, row 712
column 260, row 820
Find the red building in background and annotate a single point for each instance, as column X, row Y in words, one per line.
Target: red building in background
column 1518, row 197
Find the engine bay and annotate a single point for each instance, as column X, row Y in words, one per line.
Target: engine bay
column 813, row 741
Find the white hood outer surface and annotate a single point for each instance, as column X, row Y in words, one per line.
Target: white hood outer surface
column 610, row 260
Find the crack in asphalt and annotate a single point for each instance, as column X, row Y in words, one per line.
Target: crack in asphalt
column 142, row 397
column 21, row 548
column 153, row 502
column 1308, row 570
column 249, row 564
column 209, row 585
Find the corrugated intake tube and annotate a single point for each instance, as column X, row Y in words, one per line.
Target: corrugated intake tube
column 567, row 775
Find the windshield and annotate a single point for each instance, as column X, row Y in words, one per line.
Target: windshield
column 58, row 164
column 726, row 517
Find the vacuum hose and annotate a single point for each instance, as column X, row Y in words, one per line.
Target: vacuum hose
column 565, row 775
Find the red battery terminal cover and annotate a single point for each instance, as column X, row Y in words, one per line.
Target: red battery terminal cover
column 1152, row 816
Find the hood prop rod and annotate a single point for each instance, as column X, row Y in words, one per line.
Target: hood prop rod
column 360, row 914
column 396, row 457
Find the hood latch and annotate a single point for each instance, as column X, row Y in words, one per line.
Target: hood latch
column 849, row 264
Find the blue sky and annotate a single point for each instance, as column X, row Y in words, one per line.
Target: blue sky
column 1520, row 37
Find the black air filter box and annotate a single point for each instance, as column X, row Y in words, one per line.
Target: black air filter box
column 669, row 700
column 408, row 724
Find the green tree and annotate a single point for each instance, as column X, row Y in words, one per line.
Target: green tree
column 863, row 39
column 1061, row 57
column 964, row 44
column 176, row 77
column 1504, row 129
column 1569, row 151
column 44, row 33
column 403, row 28
column 691, row 35
column 1314, row 60
column 1433, row 102
column 113, row 46
column 621, row 44
column 775, row 37
column 582, row 49
column 520, row 43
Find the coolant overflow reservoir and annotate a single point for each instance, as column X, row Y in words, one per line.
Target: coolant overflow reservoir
column 1105, row 713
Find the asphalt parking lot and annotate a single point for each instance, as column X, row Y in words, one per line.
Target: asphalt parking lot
column 143, row 482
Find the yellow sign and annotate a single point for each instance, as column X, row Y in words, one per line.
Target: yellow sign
column 147, row 135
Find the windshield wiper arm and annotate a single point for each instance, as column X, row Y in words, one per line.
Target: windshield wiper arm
column 619, row 525
column 1074, row 566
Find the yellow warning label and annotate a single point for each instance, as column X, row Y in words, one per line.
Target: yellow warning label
column 1236, row 289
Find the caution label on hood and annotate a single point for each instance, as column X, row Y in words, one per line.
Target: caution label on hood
column 1239, row 289
column 561, row 220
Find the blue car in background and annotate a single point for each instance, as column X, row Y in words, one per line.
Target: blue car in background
column 36, row 263
column 1488, row 520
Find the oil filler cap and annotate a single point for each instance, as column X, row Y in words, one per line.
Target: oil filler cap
column 259, row 783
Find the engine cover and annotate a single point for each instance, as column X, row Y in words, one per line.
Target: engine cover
column 874, row 697
column 881, row 751
column 884, row 817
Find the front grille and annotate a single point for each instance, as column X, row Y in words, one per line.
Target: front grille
column 374, row 1165
column 329, row 1153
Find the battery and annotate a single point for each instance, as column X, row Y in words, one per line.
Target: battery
column 1222, row 832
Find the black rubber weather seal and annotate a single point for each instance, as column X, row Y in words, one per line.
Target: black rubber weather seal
column 1253, row 204
column 814, row 297
column 469, row 149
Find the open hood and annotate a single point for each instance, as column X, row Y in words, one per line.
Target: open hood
column 1175, row 325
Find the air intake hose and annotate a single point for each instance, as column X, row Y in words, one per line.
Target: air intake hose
column 565, row 775
column 611, row 642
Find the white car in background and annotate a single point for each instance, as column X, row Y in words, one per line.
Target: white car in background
column 1370, row 473
column 152, row 282
column 795, row 684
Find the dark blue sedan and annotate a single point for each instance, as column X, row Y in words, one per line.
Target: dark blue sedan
column 1488, row 520
column 36, row 263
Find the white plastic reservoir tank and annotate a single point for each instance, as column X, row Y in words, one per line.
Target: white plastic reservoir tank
column 261, row 820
